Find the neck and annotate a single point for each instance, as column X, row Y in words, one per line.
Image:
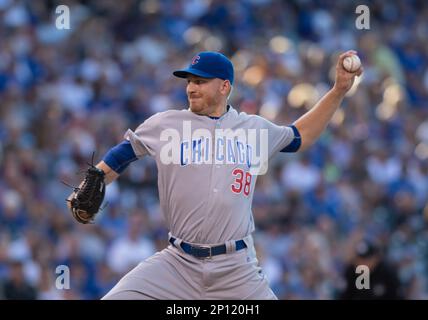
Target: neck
column 219, row 111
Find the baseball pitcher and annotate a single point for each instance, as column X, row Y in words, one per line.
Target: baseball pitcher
column 208, row 158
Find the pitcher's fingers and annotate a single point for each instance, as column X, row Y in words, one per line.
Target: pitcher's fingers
column 346, row 54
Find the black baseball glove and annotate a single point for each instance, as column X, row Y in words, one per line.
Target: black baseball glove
column 86, row 200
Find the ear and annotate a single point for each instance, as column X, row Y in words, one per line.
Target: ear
column 225, row 87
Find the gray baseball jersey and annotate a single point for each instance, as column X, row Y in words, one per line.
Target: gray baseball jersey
column 207, row 170
column 204, row 169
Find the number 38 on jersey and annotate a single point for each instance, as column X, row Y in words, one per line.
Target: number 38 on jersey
column 242, row 182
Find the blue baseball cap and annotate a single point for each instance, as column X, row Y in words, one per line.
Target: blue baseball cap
column 208, row 64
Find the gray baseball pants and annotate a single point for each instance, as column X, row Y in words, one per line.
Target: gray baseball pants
column 172, row 274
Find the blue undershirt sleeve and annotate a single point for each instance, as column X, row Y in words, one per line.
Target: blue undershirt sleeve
column 295, row 144
column 119, row 157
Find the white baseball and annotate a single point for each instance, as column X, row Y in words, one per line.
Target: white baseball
column 352, row 63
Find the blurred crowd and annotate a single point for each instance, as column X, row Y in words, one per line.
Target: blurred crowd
column 65, row 93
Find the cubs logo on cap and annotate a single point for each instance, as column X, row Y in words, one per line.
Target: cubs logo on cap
column 209, row 64
column 195, row 60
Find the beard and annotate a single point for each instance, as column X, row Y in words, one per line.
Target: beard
column 204, row 105
column 197, row 106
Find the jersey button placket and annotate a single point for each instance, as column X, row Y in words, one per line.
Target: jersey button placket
column 211, row 201
column 217, row 125
column 217, row 166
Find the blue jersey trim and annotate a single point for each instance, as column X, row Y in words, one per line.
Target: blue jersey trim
column 119, row 157
column 296, row 143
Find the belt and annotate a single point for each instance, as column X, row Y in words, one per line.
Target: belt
column 206, row 251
